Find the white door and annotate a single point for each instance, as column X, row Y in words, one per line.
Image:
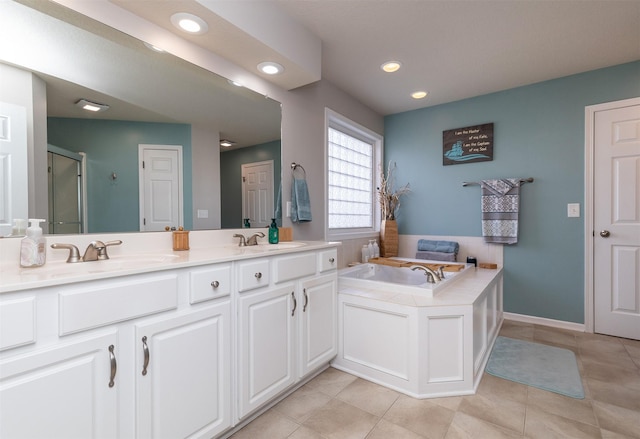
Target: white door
column 160, row 187
column 62, row 392
column 257, row 193
column 616, row 220
column 183, row 374
column 14, row 193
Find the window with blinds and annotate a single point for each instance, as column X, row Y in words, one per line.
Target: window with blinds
column 352, row 160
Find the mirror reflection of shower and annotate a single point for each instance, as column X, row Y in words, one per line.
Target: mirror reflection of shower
column 66, row 191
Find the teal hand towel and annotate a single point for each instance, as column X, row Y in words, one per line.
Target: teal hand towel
column 300, row 202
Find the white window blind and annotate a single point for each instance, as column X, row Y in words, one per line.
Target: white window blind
column 350, row 169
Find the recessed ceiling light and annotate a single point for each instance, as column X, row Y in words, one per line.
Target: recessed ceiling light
column 226, row 143
column 154, row 48
column 92, row 106
column 419, row 94
column 232, row 82
column 391, row 66
column 189, row 23
column 270, row 68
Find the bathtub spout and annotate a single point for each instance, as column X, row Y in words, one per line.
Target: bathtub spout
column 432, row 276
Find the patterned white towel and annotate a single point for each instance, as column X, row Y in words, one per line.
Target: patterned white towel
column 500, row 205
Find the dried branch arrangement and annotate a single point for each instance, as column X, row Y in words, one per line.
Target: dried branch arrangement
column 390, row 199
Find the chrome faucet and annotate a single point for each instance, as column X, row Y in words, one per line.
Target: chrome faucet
column 242, row 242
column 432, row 276
column 253, row 240
column 96, row 251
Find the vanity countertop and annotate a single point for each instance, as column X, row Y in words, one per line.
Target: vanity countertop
column 128, row 260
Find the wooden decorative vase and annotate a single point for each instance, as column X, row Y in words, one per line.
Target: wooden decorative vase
column 388, row 238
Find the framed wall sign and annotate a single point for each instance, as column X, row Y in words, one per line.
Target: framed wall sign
column 468, row 144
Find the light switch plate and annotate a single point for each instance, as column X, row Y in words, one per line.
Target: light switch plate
column 288, row 210
column 203, row 213
column 573, row 210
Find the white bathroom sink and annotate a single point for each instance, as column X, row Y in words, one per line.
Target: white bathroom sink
column 262, row 247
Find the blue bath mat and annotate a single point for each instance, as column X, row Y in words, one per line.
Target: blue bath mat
column 545, row 367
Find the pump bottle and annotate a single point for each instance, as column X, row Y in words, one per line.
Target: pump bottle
column 274, row 233
column 33, row 252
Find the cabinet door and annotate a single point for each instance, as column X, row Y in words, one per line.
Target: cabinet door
column 318, row 320
column 266, row 351
column 61, row 392
column 183, row 374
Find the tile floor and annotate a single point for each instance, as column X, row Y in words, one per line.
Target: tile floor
column 336, row 405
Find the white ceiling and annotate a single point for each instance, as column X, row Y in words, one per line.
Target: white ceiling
column 459, row 49
column 453, row 49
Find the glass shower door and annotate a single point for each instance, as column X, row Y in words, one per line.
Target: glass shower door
column 65, row 194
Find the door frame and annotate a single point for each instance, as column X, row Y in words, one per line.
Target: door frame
column 589, row 153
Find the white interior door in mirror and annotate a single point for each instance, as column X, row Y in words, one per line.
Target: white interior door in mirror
column 13, row 165
column 257, row 193
column 160, row 187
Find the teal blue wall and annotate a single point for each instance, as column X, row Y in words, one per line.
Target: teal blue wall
column 112, row 146
column 231, row 178
column 538, row 132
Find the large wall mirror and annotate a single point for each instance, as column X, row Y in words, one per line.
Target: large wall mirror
column 156, row 101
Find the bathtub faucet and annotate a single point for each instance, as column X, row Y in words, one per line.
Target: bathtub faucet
column 432, row 276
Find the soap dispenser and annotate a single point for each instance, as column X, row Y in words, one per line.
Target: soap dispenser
column 33, row 252
column 273, row 232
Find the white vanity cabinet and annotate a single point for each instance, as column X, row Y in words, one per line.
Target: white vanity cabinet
column 61, row 391
column 82, row 374
column 286, row 328
column 183, row 374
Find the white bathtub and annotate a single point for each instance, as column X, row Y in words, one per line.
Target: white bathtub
column 424, row 340
column 398, row 279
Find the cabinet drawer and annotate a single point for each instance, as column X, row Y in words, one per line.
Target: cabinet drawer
column 328, row 260
column 253, row 274
column 294, row 266
column 17, row 323
column 210, row 283
column 96, row 304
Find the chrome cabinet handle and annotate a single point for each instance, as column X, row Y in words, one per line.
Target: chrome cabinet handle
column 295, row 303
column 215, row 284
column 114, row 366
column 258, row 275
column 605, row 233
column 306, row 300
column 145, row 349
column 332, row 260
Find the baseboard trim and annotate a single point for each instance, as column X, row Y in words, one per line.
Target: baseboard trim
column 545, row 322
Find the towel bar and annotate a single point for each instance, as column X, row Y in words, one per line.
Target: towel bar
column 475, row 183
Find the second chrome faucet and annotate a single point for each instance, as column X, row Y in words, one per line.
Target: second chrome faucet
column 252, row 240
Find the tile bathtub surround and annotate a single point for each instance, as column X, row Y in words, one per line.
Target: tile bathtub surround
column 336, row 405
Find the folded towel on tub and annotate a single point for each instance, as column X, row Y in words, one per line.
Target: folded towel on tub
column 437, row 256
column 500, row 206
column 438, row 246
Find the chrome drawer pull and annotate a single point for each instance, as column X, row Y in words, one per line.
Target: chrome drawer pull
column 145, row 349
column 306, row 301
column 295, row 303
column 114, row 366
column 215, row 284
column 332, row 260
column 258, row 275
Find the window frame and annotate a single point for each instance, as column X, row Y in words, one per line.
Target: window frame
column 341, row 123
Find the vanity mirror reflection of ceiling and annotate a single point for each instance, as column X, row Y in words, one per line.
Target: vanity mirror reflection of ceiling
column 237, row 44
column 145, row 86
